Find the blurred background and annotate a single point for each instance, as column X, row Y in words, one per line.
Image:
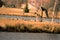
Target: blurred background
column 50, row 5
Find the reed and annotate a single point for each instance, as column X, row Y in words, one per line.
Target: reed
column 30, row 28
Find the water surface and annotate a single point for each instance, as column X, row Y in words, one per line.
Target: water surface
column 28, row 36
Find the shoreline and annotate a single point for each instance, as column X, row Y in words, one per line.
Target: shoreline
column 20, row 12
column 11, row 25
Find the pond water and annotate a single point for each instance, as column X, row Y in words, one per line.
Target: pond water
column 29, row 18
column 28, row 36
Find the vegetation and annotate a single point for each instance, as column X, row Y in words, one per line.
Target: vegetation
column 29, row 28
column 26, row 10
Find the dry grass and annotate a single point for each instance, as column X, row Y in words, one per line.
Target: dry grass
column 15, row 11
column 30, row 25
column 22, row 25
column 20, row 12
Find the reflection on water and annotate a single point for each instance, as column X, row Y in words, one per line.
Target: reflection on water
column 28, row 36
column 29, row 18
